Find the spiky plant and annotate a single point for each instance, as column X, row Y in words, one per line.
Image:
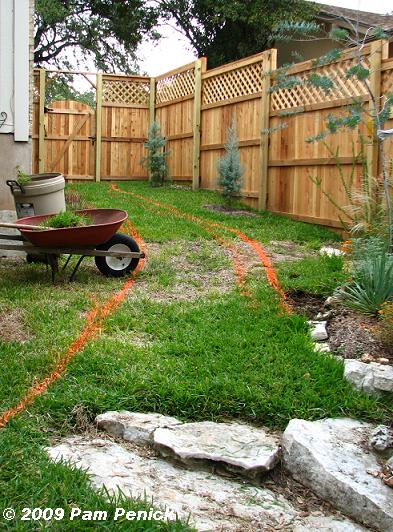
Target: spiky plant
column 156, row 159
column 230, row 170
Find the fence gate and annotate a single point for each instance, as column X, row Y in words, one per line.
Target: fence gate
column 69, row 137
column 92, row 144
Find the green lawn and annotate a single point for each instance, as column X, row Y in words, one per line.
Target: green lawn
column 185, row 342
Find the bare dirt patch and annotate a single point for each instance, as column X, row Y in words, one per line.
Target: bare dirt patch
column 354, row 335
column 184, row 271
column 13, row 327
column 283, row 250
column 351, row 335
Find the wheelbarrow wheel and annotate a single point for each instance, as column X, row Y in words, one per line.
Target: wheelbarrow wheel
column 115, row 266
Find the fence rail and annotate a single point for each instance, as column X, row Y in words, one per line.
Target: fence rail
column 194, row 106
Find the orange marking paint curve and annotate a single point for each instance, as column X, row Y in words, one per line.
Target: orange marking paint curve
column 256, row 246
column 94, row 321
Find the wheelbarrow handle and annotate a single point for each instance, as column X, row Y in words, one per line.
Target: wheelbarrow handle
column 15, row 186
column 25, row 226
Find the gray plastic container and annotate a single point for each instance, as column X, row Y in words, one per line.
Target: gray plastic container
column 44, row 194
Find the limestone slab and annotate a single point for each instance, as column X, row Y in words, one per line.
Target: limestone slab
column 318, row 330
column 212, row 502
column 134, row 427
column 331, row 458
column 331, row 252
column 327, row 524
column 381, row 439
column 235, row 447
column 372, row 378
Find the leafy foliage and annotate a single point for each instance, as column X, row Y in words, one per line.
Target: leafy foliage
column 326, row 59
column 105, row 31
column 230, row 169
column 286, row 30
column 22, row 177
column 61, row 88
column 156, row 160
column 226, row 30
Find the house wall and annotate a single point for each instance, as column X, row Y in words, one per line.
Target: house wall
column 307, row 50
column 16, row 61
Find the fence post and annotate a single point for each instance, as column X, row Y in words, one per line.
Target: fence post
column 152, row 111
column 152, row 101
column 269, row 64
column 200, row 67
column 98, row 127
column 375, row 59
column 41, row 123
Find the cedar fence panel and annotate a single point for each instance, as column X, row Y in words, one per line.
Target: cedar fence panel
column 195, row 106
column 233, row 90
column 125, row 122
column 174, row 104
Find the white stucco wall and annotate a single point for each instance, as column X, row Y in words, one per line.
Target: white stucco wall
column 15, row 67
column 16, row 48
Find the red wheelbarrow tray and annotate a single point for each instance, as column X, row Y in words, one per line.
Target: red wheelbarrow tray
column 105, row 224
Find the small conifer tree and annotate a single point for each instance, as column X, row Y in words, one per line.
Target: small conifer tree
column 156, row 159
column 230, row 170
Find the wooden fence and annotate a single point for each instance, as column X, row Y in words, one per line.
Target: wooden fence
column 194, row 106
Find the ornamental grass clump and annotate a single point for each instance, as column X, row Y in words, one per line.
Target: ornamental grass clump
column 230, row 170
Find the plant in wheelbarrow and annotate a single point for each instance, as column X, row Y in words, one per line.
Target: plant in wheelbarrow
column 67, row 219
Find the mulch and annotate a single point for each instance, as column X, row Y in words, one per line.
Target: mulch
column 351, row 335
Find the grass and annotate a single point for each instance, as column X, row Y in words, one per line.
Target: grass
column 215, row 356
column 316, row 275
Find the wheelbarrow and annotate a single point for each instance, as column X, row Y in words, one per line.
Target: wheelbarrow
column 115, row 254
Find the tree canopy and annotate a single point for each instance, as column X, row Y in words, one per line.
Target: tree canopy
column 106, row 31
column 226, row 30
column 109, row 31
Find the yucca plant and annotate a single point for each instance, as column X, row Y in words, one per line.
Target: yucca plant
column 371, row 284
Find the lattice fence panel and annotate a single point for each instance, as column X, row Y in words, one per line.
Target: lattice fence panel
column 179, row 85
column 387, row 82
column 304, row 93
column 125, row 92
column 242, row 81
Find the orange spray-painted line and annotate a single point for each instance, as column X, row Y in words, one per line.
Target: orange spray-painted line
column 94, row 321
column 256, row 246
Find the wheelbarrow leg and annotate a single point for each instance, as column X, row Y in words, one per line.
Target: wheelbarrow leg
column 66, row 262
column 53, row 261
column 76, row 268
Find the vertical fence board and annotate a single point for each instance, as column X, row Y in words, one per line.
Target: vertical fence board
column 270, row 64
column 98, row 135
